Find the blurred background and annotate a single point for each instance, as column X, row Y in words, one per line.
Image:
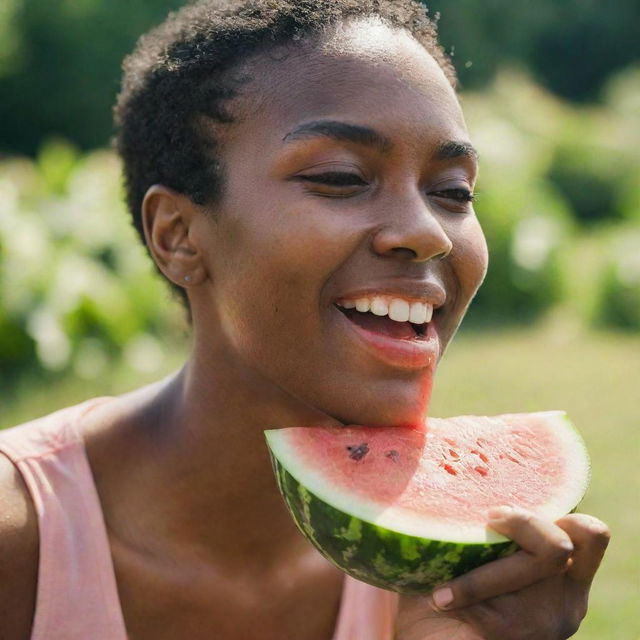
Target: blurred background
column 551, row 91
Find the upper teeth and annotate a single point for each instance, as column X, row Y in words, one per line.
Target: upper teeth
column 396, row 308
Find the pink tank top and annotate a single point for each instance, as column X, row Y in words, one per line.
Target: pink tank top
column 77, row 595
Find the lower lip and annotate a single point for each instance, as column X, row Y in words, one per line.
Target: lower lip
column 405, row 354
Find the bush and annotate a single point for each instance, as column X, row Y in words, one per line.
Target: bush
column 587, row 179
column 597, row 176
column 525, row 219
column 526, row 226
column 617, row 302
column 596, row 164
column 78, row 291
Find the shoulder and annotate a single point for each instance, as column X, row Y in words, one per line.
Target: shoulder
column 18, row 554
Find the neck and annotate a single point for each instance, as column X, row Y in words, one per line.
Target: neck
column 194, row 449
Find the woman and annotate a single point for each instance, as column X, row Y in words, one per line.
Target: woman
column 282, row 159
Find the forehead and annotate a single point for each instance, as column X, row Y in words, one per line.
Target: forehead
column 361, row 72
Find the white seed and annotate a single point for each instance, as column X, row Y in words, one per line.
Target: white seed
column 399, row 310
column 362, row 304
column 379, row 307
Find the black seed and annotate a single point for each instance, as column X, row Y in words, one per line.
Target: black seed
column 357, row 452
column 393, row 454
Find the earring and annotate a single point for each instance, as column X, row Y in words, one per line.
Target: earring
column 187, row 278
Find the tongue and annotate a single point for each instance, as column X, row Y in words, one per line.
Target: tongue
column 382, row 324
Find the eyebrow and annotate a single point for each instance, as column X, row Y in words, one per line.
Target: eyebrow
column 456, row 149
column 341, row 131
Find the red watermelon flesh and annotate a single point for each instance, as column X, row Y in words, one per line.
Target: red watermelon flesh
column 455, row 471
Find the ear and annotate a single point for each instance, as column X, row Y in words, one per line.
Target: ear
column 169, row 219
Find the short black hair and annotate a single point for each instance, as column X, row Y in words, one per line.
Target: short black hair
column 178, row 73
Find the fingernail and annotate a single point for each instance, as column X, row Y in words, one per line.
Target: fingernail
column 442, row 598
column 597, row 527
column 567, row 545
column 500, row 512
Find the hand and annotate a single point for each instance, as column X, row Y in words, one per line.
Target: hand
column 538, row 593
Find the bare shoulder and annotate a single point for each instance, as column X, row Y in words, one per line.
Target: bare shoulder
column 18, row 554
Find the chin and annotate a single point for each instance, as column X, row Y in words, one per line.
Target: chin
column 404, row 406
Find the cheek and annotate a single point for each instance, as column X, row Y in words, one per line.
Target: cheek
column 471, row 257
column 274, row 267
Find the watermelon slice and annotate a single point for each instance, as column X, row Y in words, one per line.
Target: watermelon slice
column 406, row 509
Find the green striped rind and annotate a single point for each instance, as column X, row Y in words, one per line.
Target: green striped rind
column 376, row 555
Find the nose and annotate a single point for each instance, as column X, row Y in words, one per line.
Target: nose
column 411, row 231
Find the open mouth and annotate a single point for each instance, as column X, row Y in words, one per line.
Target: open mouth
column 397, row 331
column 384, row 325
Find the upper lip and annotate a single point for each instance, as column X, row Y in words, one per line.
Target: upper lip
column 413, row 291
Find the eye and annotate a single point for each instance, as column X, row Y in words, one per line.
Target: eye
column 333, row 184
column 334, row 179
column 459, row 195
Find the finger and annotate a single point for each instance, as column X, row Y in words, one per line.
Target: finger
column 494, row 579
column 546, row 549
column 590, row 538
column 538, row 537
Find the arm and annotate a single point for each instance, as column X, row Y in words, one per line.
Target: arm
column 538, row 593
column 18, row 555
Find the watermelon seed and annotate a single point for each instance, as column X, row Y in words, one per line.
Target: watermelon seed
column 513, row 459
column 454, row 454
column 357, row 452
column 481, row 456
column 449, row 469
column 393, row 454
column 520, row 451
column 483, row 471
column 451, row 442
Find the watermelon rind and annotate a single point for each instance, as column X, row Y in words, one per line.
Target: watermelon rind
column 393, row 550
column 376, row 555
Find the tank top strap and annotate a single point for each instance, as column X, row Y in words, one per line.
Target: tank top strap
column 77, row 596
column 366, row 612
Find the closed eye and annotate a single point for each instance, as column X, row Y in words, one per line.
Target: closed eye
column 334, row 179
column 459, row 195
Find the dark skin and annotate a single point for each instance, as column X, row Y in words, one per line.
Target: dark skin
column 262, row 269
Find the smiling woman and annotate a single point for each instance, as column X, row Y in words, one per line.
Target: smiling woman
column 302, row 173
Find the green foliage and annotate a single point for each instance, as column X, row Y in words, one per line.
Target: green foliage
column 77, row 289
column 623, row 100
column 617, row 301
column 60, row 61
column 527, row 222
column 9, row 35
column 60, row 71
column 570, row 47
column 56, row 161
column 549, row 171
column 526, row 226
column 583, row 176
column 596, row 164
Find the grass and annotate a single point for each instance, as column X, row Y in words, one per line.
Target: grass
column 554, row 365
